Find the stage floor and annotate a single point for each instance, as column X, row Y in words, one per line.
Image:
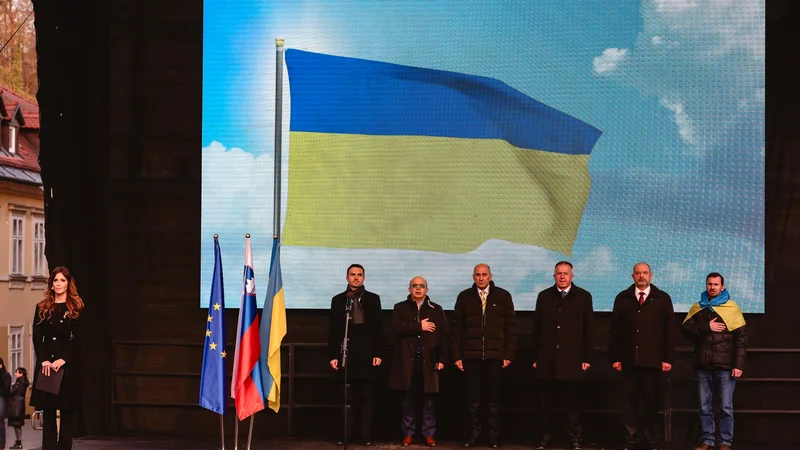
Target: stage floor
column 128, row 443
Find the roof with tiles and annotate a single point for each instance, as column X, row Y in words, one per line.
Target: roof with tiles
column 24, row 165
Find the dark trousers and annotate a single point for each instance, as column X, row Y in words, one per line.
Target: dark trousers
column 416, row 397
column 640, row 387
column 360, row 395
column 54, row 439
column 483, row 380
column 565, row 393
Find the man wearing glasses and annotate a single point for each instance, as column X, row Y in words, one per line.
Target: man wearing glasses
column 483, row 342
column 420, row 351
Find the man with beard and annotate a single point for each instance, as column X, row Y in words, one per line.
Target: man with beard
column 716, row 326
column 483, row 342
column 641, row 345
column 562, row 345
column 364, row 346
column 420, row 350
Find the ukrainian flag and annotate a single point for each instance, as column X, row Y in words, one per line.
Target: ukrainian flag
column 273, row 329
column 391, row 156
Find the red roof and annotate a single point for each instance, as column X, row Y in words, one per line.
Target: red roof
column 30, row 109
column 27, row 157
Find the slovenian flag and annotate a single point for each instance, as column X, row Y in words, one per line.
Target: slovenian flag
column 246, row 386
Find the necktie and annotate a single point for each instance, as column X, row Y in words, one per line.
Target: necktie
column 483, row 301
column 563, row 294
column 641, row 298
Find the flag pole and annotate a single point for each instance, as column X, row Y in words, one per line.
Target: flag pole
column 222, row 430
column 236, row 433
column 250, row 433
column 276, row 229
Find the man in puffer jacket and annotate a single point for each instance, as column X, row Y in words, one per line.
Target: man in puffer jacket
column 717, row 327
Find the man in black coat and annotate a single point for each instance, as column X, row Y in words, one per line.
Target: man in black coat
column 420, row 330
column 716, row 327
column 642, row 345
column 562, row 346
column 364, row 346
column 483, row 342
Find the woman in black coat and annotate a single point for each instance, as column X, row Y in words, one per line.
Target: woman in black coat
column 16, row 405
column 55, row 341
column 5, row 390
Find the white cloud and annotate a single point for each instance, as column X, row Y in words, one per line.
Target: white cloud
column 684, row 123
column 674, row 6
column 704, row 61
column 609, row 60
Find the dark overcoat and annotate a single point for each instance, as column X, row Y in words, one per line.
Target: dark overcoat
column 16, row 403
column 408, row 334
column 642, row 335
column 366, row 340
column 478, row 337
column 57, row 337
column 562, row 333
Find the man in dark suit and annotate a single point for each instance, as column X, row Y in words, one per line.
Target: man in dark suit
column 642, row 345
column 364, row 346
column 562, row 346
column 483, row 342
column 420, row 350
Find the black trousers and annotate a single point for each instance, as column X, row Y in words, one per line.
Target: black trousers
column 361, row 396
column 566, row 394
column 640, row 388
column 54, row 439
column 483, row 380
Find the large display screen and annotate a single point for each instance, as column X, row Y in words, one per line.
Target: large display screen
column 421, row 138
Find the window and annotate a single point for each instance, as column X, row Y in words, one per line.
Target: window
column 14, row 348
column 12, row 139
column 17, row 237
column 39, row 262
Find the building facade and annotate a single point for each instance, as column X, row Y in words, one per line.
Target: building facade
column 23, row 267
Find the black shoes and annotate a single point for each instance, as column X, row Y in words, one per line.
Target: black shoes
column 575, row 444
column 469, row 443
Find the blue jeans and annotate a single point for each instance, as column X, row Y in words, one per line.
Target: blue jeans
column 722, row 383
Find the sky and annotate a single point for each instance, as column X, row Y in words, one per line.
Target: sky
column 677, row 87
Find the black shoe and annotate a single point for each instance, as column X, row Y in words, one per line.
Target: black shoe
column 367, row 441
column 469, row 443
column 493, row 444
column 540, row 446
column 17, row 444
column 575, row 444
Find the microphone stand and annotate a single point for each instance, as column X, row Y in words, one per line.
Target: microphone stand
column 346, row 406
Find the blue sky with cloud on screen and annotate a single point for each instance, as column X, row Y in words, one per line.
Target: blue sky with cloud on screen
column 677, row 177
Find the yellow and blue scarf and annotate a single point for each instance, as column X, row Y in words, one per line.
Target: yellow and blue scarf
column 722, row 304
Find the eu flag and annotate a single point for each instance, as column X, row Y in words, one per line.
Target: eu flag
column 212, row 377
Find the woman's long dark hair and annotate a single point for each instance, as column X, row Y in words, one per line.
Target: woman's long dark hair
column 74, row 301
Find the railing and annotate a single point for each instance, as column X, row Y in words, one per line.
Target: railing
column 291, row 375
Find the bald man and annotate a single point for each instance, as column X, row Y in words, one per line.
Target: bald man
column 483, row 342
column 642, row 345
column 420, row 352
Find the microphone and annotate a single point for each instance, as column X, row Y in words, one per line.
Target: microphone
column 349, row 305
